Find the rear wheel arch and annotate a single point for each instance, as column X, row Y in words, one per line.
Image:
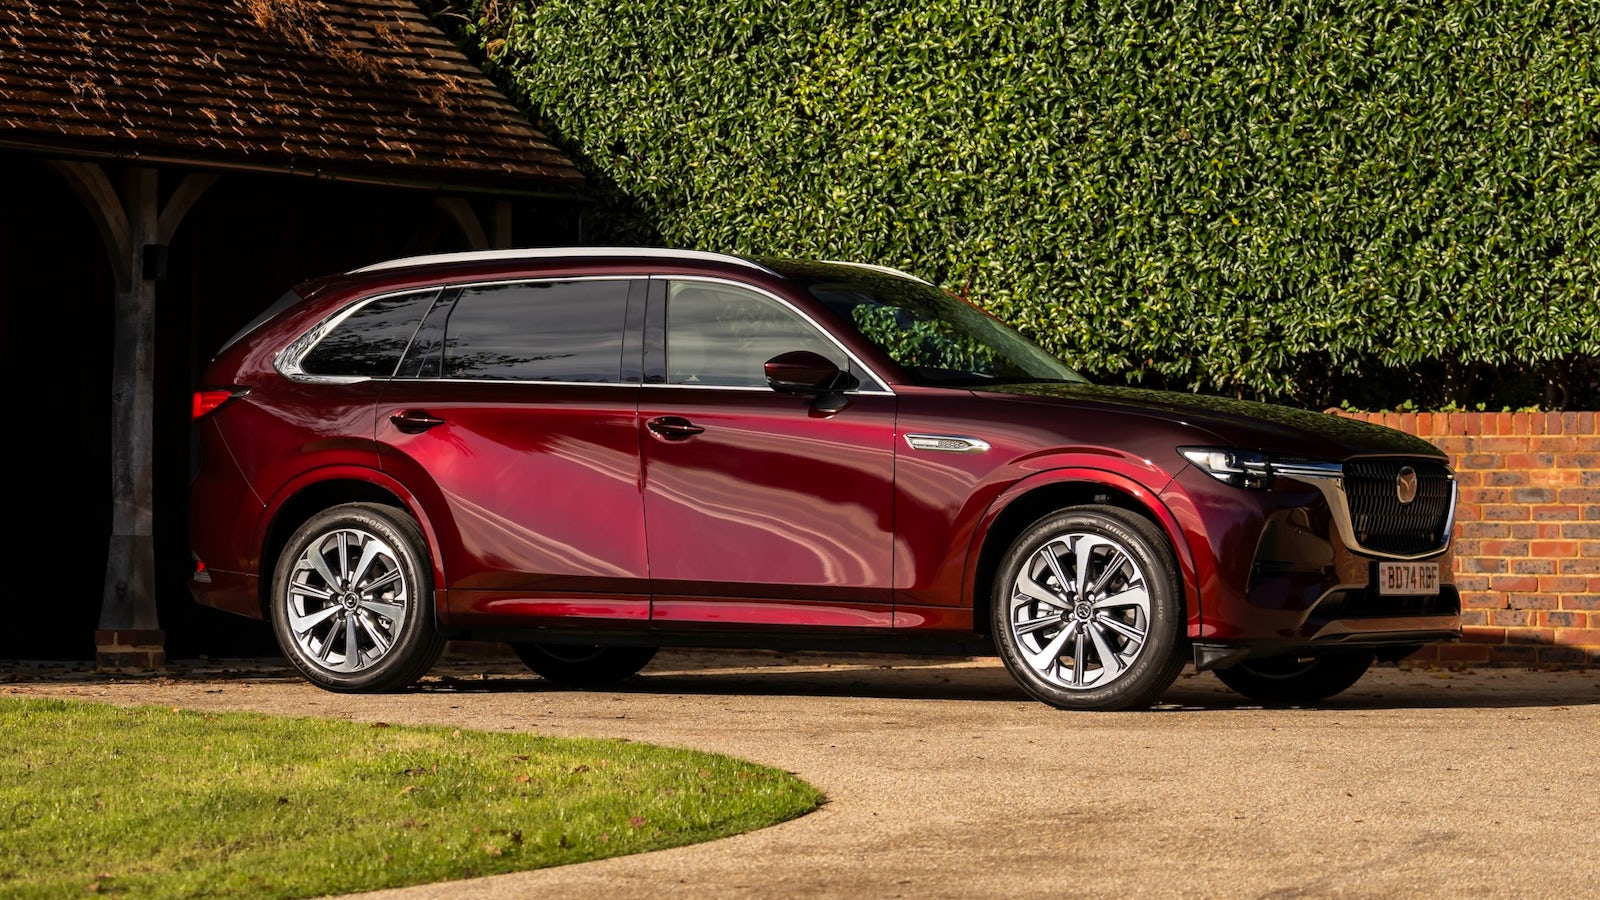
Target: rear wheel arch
column 303, row 501
column 1033, row 499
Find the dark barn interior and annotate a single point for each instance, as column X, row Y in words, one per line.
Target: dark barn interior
column 159, row 192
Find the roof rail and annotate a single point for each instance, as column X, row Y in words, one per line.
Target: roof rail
column 562, row 253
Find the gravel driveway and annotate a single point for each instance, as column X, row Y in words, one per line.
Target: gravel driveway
column 944, row 781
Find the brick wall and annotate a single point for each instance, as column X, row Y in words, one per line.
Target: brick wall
column 1527, row 533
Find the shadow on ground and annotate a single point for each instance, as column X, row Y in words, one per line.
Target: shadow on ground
column 757, row 673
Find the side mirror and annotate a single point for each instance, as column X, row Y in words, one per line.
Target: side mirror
column 812, row 374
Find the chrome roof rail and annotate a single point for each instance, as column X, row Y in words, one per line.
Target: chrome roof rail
column 533, row 253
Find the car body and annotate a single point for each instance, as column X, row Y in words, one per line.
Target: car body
column 593, row 452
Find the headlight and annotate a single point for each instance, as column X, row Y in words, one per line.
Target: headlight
column 1240, row 468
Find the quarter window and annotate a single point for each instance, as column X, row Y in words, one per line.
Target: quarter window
column 368, row 342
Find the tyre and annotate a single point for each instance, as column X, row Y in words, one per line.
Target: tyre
column 1087, row 610
column 352, row 600
column 583, row 665
column 1296, row 679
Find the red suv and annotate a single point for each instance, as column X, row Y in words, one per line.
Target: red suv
column 591, row 453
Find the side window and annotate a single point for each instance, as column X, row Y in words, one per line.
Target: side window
column 536, row 331
column 369, row 341
column 721, row 335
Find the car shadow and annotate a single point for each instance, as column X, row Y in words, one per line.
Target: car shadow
column 1384, row 688
column 695, row 673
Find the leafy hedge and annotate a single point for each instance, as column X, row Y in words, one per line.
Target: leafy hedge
column 1312, row 201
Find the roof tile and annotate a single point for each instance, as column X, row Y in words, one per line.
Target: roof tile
column 367, row 88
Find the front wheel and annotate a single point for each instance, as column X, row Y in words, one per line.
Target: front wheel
column 1087, row 610
column 1296, row 679
column 583, row 665
column 352, row 600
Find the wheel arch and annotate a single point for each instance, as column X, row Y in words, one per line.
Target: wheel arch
column 318, row 490
column 1034, row 497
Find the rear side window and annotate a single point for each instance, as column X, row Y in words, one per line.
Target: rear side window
column 533, row 331
column 369, row 341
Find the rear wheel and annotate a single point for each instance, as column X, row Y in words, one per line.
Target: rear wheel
column 351, row 600
column 1296, row 679
column 583, row 665
column 1088, row 610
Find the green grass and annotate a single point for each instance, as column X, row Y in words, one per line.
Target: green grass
column 156, row 802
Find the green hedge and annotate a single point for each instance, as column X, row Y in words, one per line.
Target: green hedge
column 1309, row 201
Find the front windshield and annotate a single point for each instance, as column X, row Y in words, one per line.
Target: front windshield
column 938, row 338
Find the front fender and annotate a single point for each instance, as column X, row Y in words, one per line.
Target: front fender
column 1146, row 499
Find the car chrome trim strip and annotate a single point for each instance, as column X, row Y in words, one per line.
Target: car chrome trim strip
column 750, row 388
column 947, row 443
column 1329, row 479
column 541, row 253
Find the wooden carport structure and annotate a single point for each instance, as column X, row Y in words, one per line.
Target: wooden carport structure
column 319, row 110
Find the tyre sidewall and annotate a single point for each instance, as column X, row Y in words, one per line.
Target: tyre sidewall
column 1161, row 659
column 418, row 645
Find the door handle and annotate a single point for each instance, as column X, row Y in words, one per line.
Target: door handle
column 672, row 428
column 415, row 421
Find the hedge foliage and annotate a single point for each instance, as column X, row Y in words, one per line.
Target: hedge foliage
column 1309, row 201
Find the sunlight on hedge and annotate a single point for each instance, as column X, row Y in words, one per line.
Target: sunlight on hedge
column 1262, row 199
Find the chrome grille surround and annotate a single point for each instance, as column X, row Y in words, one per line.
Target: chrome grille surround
column 1370, row 518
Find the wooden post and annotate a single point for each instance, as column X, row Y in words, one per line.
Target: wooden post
column 135, row 230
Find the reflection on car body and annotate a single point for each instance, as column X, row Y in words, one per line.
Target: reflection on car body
column 591, row 453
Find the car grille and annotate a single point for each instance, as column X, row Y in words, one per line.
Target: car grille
column 1385, row 525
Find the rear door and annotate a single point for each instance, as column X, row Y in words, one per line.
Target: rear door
column 513, row 417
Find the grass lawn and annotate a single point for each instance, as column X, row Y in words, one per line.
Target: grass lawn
column 157, row 802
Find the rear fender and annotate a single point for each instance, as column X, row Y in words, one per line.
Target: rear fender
column 328, row 476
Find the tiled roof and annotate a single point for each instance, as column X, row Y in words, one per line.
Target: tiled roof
column 350, row 88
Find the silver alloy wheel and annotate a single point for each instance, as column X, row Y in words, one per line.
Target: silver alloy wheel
column 1080, row 611
column 347, row 600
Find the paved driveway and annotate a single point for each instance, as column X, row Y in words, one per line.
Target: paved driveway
column 943, row 781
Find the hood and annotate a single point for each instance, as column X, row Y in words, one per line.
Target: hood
column 1246, row 424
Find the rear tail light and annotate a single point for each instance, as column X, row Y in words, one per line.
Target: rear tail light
column 209, row 400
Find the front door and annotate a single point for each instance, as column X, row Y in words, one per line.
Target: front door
column 761, row 509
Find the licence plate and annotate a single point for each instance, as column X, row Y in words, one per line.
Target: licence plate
column 1408, row 578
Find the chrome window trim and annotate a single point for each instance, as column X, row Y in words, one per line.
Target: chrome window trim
column 1329, row 479
column 754, row 389
column 287, row 362
column 712, row 279
column 544, row 253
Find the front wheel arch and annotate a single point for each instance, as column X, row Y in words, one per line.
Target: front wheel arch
column 1029, row 501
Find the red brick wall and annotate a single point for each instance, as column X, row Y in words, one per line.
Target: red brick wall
column 1527, row 533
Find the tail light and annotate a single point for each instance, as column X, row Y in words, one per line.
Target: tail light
column 209, row 400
